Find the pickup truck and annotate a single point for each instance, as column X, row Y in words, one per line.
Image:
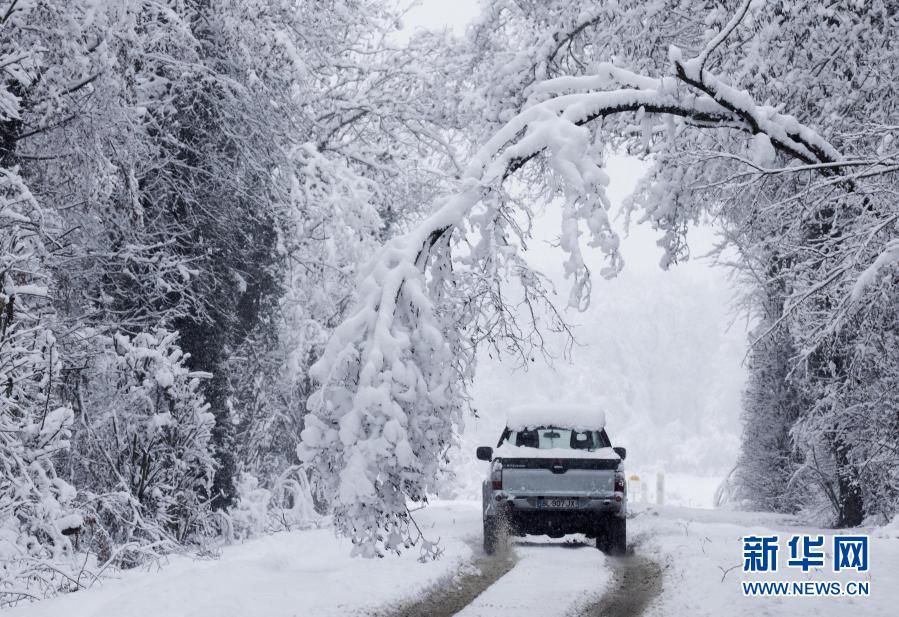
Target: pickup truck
column 555, row 472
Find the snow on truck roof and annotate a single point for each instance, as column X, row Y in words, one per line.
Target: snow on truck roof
column 581, row 417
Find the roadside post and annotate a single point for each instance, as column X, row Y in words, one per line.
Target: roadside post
column 638, row 487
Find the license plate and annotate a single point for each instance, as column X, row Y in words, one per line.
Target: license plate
column 560, row 504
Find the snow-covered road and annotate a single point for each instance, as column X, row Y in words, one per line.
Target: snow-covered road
column 548, row 579
column 689, row 554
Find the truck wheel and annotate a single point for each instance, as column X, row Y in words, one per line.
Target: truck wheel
column 617, row 536
column 602, row 539
column 491, row 534
column 611, row 538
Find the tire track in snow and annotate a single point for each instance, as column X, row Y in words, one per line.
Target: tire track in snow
column 454, row 594
column 636, row 582
column 537, row 578
column 550, row 579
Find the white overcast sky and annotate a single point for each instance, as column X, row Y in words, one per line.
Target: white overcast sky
column 439, row 14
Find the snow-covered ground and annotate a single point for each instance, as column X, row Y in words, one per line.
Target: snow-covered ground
column 284, row 575
column 701, row 555
column 310, row 573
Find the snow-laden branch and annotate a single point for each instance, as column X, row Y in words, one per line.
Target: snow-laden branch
column 391, row 375
column 715, row 42
column 391, row 391
column 786, row 133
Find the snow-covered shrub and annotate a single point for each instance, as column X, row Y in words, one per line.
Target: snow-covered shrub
column 36, row 505
column 37, row 513
column 283, row 506
column 143, row 450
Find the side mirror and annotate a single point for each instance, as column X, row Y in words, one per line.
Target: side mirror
column 621, row 452
column 484, row 453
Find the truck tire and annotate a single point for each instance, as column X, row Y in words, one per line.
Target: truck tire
column 612, row 537
column 617, row 536
column 492, row 534
column 602, row 539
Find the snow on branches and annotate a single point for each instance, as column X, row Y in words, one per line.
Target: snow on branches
column 392, row 376
column 36, row 505
column 145, row 440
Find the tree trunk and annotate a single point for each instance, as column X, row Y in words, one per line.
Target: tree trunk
column 851, row 505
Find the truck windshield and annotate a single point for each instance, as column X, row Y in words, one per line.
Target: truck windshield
column 548, row 437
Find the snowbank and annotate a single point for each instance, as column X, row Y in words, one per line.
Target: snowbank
column 580, row 417
column 700, row 552
column 291, row 574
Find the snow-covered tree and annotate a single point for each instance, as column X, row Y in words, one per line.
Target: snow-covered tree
column 197, row 187
column 37, row 512
column 364, row 146
column 143, row 454
column 772, row 404
column 556, row 85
